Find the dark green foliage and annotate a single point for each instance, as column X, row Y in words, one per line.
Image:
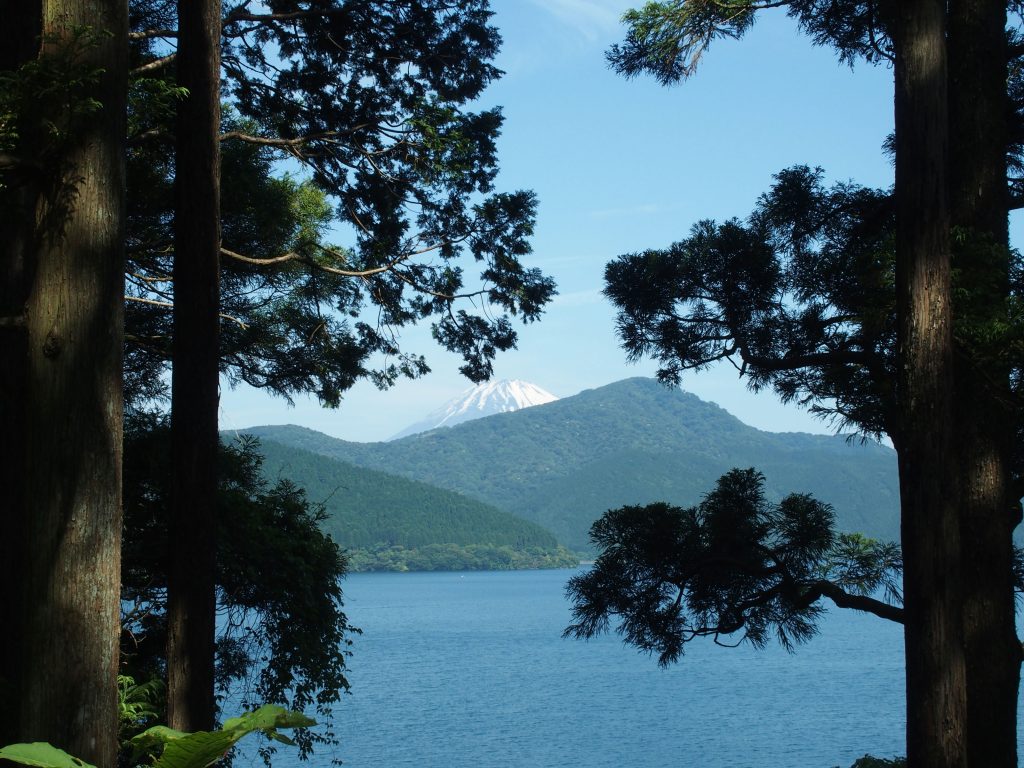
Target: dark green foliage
column 735, row 567
column 800, row 298
column 273, row 340
column 387, row 522
column 283, row 634
column 43, row 104
column 668, row 39
column 633, row 442
column 140, row 706
column 371, row 98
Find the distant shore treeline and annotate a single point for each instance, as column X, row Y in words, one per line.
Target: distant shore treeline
column 453, row 557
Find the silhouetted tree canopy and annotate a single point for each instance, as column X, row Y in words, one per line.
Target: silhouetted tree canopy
column 735, row 567
column 800, row 298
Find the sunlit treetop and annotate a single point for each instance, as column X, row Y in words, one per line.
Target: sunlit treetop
column 668, row 39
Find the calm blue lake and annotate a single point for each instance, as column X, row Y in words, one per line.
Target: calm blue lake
column 469, row 670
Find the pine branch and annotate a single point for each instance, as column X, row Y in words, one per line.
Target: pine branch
column 147, row 34
column 154, row 65
column 170, row 305
column 844, row 599
column 266, row 141
column 316, row 265
column 240, row 15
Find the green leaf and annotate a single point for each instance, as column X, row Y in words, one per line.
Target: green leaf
column 41, row 754
column 272, row 734
column 269, row 716
column 203, row 748
column 197, row 750
column 159, row 734
column 146, row 742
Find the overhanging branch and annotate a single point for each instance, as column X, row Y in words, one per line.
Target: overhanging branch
column 147, row 34
column 314, row 264
column 170, row 305
column 239, row 15
column 844, row 599
column 266, row 141
column 154, row 65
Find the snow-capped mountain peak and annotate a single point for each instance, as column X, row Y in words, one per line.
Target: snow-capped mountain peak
column 485, row 399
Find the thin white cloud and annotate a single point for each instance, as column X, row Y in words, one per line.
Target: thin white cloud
column 578, row 298
column 592, row 19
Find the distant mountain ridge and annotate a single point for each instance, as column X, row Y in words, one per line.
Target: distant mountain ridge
column 632, row 442
column 484, row 399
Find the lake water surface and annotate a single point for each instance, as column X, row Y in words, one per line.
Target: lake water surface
column 469, row 670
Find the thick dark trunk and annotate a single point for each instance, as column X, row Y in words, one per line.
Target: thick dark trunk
column 191, row 596
column 984, row 420
column 68, row 495
column 936, row 674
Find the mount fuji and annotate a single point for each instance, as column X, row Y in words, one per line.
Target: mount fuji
column 485, row 399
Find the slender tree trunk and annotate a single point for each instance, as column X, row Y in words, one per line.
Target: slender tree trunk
column 191, row 599
column 68, row 496
column 983, row 417
column 936, row 675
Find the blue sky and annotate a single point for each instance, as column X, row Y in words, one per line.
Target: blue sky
column 620, row 166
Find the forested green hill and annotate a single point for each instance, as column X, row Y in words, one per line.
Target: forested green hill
column 390, row 522
column 565, row 463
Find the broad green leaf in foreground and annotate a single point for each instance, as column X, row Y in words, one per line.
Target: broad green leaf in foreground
column 200, row 749
column 41, row 755
column 181, row 750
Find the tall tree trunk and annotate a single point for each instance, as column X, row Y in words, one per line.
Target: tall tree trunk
column 936, row 675
column 68, row 496
column 983, row 416
column 191, row 596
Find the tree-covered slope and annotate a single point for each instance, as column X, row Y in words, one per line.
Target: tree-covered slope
column 368, row 509
column 565, row 463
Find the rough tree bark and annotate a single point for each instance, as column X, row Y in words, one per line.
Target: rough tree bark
column 936, row 671
column 983, row 416
column 67, row 499
column 191, row 597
